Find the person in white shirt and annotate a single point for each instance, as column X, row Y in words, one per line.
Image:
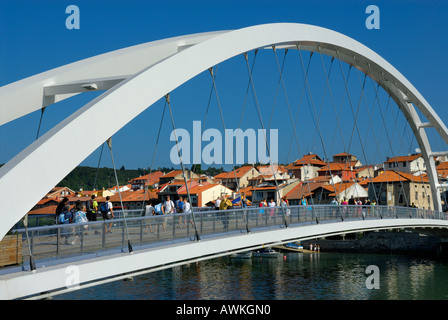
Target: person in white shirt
column 169, row 205
column 217, row 203
column 187, row 206
column 109, row 214
column 149, row 211
column 187, row 209
column 271, row 204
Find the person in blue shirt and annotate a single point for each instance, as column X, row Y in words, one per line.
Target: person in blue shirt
column 80, row 217
column 180, row 205
column 65, row 217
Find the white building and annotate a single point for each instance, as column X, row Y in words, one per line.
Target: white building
column 414, row 164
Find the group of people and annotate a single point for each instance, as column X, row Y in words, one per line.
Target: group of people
column 271, row 203
column 315, row 247
column 167, row 207
column 79, row 213
column 355, row 201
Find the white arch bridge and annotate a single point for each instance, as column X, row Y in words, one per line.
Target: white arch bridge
column 162, row 66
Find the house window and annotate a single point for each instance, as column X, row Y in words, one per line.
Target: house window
column 416, row 195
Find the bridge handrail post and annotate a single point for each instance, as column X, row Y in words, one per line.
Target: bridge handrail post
column 187, row 221
column 58, row 242
column 174, row 225
column 201, row 220
column 141, row 229
column 122, row 234
column 103, row 235
column 81, row 231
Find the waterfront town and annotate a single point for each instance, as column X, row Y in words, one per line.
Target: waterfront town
column 398, row 181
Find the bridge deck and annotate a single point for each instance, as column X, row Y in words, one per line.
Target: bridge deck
column 221, row 233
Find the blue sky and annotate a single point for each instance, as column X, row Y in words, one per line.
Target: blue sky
column 413, row 37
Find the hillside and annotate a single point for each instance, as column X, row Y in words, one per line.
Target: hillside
column 84, row 177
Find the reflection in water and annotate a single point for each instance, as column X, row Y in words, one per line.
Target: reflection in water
column 315, row 276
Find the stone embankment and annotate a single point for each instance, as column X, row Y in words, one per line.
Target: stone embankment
column 384, row 241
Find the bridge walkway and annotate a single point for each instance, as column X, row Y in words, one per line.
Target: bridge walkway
column 50, row 244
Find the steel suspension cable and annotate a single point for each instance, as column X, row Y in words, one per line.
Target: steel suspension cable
column 254, row 94
column 153, row 156
column 299, row 107
column 377, row 143
column 205, row 120
column 247, row 88
column 391, row 149
column 244, row 105
column 337, row 114
column 167, row 97
column 327, row 79
column 42, row 110
column 325, row 91
column 280, row 70
column 360, row 139
column 242, row 111
column 315, row 118
column 395, row 128
column 109, row 143
column 98, row 167
column 227, row 144
column 387, row 180
column 376, row 101
column 278, row 86
column 355, row 117
column 390, row 143
column 25, row 218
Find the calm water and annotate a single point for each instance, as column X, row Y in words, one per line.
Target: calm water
column 317, row 276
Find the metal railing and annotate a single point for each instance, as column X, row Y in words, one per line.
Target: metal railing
column 61, row 241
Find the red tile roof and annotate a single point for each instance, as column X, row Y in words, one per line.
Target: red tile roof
column 342, row 154
column 339, row 166
column 442, row 166
column 404, row 158
column 153, row 177
column 44, row 210
column 308, row 159
column 240, row 172
column 303, row 190
column 172, row 174
column 397, row 176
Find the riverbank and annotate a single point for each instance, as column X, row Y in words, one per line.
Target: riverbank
column 382, row 242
